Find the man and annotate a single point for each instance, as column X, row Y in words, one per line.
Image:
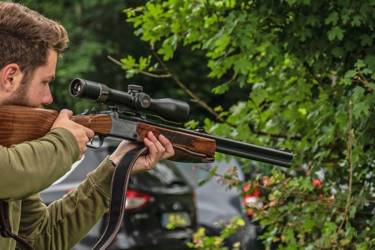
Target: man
column 29, row 48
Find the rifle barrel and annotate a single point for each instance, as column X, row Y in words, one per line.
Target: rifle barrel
column 253, row 152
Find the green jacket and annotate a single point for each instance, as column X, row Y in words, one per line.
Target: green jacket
column 28, row 168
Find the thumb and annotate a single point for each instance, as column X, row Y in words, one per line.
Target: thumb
column 66, row 113
column 125, row 146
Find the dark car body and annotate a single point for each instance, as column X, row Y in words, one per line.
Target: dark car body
column 160, row 214
column 217, row 204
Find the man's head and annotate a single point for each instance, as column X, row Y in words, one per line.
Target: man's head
column 29, row 46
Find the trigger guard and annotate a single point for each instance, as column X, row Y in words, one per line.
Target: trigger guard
column 100, row 139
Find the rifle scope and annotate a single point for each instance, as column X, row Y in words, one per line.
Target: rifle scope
column 135, row 99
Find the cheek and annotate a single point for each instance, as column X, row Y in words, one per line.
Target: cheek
column 42, row 91
column 38, row 95
column 35, row 96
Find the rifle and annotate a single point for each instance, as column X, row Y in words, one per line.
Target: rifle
column 128, row 118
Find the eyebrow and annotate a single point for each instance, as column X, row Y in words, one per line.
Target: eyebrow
column 51, row 78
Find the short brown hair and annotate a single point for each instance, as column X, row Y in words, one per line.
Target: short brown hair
column 26, row 36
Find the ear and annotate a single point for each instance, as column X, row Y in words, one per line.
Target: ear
column 10, row 77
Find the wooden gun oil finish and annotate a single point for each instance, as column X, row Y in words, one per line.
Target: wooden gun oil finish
column 19, row 124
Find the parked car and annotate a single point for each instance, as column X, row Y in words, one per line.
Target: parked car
column 217, row 205
column 160, row 207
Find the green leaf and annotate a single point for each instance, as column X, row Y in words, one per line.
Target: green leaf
column 221, row 89
column 356, row 21
column 370, row 61
column 332, row 18
column 192, row 124
column 360, row 64
column 329, row 228
column 336, row 33
column 350, row 74
column 308, row 225
column 361, row 109
column 129, row 62
column 144, row 62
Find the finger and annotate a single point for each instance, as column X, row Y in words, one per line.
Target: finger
column 151, row 136
column 123, row 148
column 83, row 148
column 159, row 146
column 152, row 150
column 86, row 139
column 169, row 150
column 151, row 158
column 89, row 133
column 66, row 113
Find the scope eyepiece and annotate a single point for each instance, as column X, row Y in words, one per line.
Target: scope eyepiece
column 90, row 90
column 135, row 99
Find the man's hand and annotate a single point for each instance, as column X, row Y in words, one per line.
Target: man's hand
column 80, row 133
column 158, row 149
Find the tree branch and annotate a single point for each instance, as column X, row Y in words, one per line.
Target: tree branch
column 188, row 91
column 276, row 136
column 350, row 162
column 140, row 71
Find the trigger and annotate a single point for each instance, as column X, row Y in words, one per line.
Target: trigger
column 95, row 142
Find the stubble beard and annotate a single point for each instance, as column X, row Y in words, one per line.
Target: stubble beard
column 20, row 97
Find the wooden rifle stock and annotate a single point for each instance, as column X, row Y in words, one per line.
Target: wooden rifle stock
column 20, row 124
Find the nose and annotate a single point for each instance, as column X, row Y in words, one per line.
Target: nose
column 47, row 97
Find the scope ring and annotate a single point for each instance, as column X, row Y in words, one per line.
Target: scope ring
column 104, row 93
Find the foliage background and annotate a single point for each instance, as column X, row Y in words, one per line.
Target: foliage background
column 296, row 75
column 308, row 70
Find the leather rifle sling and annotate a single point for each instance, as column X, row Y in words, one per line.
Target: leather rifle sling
column 120, row 181
column 6, row 231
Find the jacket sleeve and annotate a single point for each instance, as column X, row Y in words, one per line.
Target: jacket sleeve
column 30, row 167
column 66, row 221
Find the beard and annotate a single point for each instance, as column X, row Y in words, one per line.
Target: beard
column 19, row 97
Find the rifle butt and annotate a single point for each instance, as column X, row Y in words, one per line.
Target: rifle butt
column 19, row 124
